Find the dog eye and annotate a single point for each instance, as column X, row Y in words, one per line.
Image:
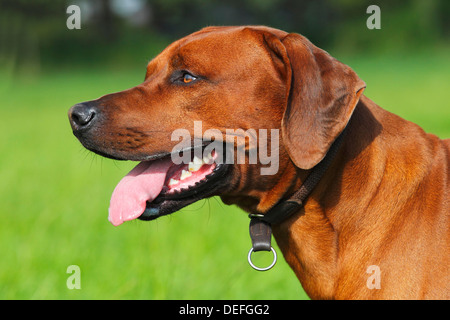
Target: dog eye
column 187, row 78
column 183, row 77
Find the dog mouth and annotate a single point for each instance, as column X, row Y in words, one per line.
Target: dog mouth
column 160, row 187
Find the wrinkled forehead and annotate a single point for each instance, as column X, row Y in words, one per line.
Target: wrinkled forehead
column 207, row 49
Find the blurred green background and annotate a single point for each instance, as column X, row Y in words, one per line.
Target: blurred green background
column 54, row 195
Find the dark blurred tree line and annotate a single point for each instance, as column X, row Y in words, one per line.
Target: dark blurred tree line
column 33, row 33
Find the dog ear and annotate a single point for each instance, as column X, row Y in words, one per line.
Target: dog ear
column 323, row 94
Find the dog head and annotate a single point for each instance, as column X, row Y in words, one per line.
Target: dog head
column 235, row 80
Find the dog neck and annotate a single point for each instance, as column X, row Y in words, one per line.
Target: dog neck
column 309, row 239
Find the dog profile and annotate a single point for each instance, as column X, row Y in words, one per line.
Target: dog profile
column 384, row 200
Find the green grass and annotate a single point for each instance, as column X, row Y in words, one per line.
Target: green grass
column 55, row 195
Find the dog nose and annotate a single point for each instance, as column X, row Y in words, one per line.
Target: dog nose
column 82, row 114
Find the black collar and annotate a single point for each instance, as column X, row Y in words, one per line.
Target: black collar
column 260, row 224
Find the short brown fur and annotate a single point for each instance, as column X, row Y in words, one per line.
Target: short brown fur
column 384, row 201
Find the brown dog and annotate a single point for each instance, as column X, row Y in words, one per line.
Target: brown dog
column 377, row 223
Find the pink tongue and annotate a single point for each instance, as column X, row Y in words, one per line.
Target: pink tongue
column 142, row 184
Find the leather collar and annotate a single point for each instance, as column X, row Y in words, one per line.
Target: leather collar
column 261, row 224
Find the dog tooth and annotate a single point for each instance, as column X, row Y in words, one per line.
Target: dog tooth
column 185, row 174
column 192, row 167
column 208, row 159
column 172, row 181
column 197, row 160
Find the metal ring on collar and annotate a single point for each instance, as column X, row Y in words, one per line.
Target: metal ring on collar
column 258, row 268
column 255, row 215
